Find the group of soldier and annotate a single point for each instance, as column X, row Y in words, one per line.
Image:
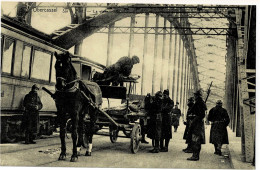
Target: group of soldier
column 161, row 112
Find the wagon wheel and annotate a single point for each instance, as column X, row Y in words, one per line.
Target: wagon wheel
column 113, row 133
column 127, row 133
column 9, row 134
column 135, row 138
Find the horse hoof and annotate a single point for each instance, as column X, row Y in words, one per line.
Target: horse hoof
column 88, row 153
column 78, row 153
column 73, row 158
column 62, row 157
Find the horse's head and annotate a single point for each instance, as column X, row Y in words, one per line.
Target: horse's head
column 65, row 72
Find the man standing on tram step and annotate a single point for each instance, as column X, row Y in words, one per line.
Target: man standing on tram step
column 155, row 123
column 197, row 129
column 167, row 105
column 189, row 117
column 115, row 72
column 32, row 104
column 218, row 132
column 176, row 114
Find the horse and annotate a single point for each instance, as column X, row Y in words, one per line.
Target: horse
column 75, row 98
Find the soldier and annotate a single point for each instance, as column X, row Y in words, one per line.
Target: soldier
column 32, row 104
column 197, row 129
column 218, row 132
column 155, row 122
column 115, row 72
column 176, row 114
column 167, row 105
column 189, row 118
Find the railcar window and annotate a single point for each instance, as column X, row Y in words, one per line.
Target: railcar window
column 26, row 61
column 8, row 50
column 41, row 65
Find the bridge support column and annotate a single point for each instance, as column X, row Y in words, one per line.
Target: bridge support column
column 110, row 44
column 182, row 74
column 174, row 66
column 144, row 54
column 185, row 84
column 178, row 69
column 155, row 54
column 163, row 57
column 131, row 38
column 170, row 65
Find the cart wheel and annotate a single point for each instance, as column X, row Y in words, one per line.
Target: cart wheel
column 127, row 133
column 113, row 134
column 135, row 138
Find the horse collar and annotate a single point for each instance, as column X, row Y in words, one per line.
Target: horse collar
column 74, row 88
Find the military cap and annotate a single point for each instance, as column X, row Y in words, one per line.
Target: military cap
column 136, row 59
column 191, row 99
column 166, row 92
column 158, row 94
column 198, row 93
column 219, row 102
column 35, row 86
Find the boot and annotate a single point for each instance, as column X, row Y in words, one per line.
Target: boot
column 155, row 150
column 187, row 150
column 165, row 149
column 27, row 141
column 194, row 157
column 143, row 140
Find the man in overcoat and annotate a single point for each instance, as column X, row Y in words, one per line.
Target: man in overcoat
column 197, row 129
column 189, row 117
column 32, row 104
column 176, row 114
column 167, row 105
column 218, row 132
column 155, row 122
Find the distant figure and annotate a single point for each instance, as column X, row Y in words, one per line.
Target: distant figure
column 218, row 132
column 167, row 105
column 32, row 104
column 155, row 122
column 176, row 114
column 197, row 129
column 116, row 72
column 189, row 117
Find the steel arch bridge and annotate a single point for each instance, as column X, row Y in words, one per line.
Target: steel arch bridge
column 239, row 84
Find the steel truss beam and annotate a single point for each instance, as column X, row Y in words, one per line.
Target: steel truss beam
column 151, row 30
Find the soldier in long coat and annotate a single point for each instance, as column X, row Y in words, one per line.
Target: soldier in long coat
column 167, row 105
column 218, row 132
column 155, row 122
column 189, row 118
column 197, row 129
column 176, row 114
column 32, row 104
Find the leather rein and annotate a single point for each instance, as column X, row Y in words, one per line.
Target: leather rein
column 74, row 88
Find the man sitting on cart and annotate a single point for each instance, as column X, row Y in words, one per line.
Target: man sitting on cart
column 116, row 72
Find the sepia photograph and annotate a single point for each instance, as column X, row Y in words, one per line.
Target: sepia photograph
column 128, row 84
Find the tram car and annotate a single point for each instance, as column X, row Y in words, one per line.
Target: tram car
column 27, row 57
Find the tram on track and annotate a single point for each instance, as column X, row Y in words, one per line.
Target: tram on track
column 27, row 57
